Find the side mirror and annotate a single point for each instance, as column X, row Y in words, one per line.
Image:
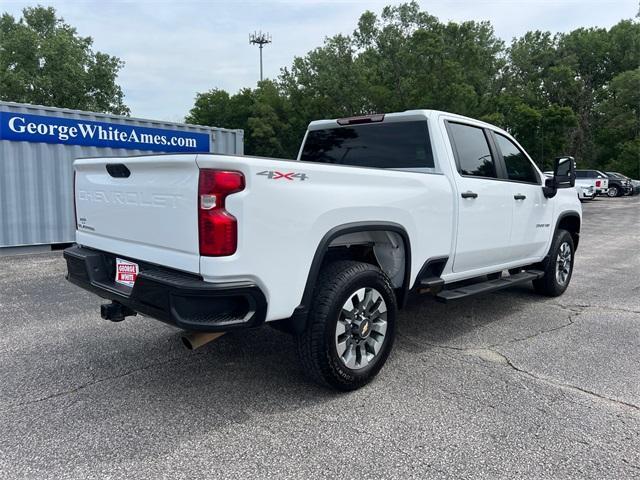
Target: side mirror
column 564, row 176
column 564, row 172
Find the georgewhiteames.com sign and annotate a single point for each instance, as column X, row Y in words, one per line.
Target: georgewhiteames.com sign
column 21, row 127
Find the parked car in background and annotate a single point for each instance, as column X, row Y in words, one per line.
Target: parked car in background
column 636, row 186
column 585, row 192
column 593, row 177
column 627, row 185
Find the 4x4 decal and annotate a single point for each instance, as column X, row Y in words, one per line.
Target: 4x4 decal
column 273, row 175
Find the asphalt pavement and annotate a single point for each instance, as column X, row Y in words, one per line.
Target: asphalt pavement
column 508, row 385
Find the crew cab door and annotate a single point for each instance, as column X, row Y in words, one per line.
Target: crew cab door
column 485, row 203
column 532, row 211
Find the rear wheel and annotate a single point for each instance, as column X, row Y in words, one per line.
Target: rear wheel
column 559, row 268
column 351, row 326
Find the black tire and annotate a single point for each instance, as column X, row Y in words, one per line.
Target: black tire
column 549, row 284
column 337, row 282
column 613, row 192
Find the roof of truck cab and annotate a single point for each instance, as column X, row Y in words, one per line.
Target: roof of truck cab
column 408, row 115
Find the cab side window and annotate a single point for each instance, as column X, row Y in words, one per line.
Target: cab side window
column 518, row 166
column 472, row 151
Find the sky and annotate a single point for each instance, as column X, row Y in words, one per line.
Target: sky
column 175, row 49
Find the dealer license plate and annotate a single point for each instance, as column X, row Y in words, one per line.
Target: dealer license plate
column 126, row 272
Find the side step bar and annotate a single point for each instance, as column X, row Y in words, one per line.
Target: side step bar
column 457, row 293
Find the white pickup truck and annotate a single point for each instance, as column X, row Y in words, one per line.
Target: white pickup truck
column 330, row 245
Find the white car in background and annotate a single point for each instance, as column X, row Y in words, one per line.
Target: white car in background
column 598, row 179
column 586, row 188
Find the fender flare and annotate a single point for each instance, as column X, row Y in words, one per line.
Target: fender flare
column 563, row 215
column 299, row 317
column 567, row 214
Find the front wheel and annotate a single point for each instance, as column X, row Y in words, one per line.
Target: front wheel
column 613, row 192
column 351, row 326
column 559, row 268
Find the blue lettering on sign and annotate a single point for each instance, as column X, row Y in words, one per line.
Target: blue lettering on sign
column 21, row 127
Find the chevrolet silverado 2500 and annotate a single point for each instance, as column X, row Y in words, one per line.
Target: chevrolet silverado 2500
column 330, row 245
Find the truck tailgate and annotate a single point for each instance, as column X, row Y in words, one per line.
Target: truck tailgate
column 144, row 208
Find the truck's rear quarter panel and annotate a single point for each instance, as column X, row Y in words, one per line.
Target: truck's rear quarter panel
column 281, row 221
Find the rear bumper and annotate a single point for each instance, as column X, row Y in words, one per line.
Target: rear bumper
column 173, row 297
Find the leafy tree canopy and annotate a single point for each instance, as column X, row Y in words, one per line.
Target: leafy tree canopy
column 45, row 62
column 566, row 93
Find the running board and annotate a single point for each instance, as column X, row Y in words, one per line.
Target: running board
column 488, row 286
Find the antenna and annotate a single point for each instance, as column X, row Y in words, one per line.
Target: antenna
column 260, row 39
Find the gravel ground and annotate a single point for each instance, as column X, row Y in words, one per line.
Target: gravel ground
column 509, row 385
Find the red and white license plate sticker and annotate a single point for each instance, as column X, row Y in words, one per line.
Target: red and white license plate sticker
column 126, row 272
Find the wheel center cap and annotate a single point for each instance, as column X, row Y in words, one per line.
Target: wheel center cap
column 362, row 328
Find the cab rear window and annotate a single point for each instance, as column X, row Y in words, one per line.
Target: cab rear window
column 379, row 145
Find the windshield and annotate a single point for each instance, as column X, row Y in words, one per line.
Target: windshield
column 380, row 145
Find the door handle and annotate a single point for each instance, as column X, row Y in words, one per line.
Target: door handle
column 519, row 196
column 469, row 194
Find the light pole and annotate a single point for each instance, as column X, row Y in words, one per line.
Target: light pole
column 260, row 39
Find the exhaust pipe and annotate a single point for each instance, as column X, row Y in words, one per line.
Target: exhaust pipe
column 193, row 340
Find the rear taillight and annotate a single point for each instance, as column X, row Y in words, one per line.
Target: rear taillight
column 598, row 183
column 218, row 229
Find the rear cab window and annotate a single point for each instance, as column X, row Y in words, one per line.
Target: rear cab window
column 403, row 145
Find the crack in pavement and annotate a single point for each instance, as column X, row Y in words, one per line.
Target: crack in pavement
column 574, row 313
column 564, row 385
column 586, row 306
column 491, row 355
column 97, row 382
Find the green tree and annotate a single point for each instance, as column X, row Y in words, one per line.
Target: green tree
column 403, row 59
column 618, row 129
column 564, row 93
column 263, row 114
column 44, row 61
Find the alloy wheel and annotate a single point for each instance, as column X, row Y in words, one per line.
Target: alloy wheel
column 563, row 263
column 361, row 328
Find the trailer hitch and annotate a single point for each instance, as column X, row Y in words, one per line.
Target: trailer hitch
column 115, row 312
